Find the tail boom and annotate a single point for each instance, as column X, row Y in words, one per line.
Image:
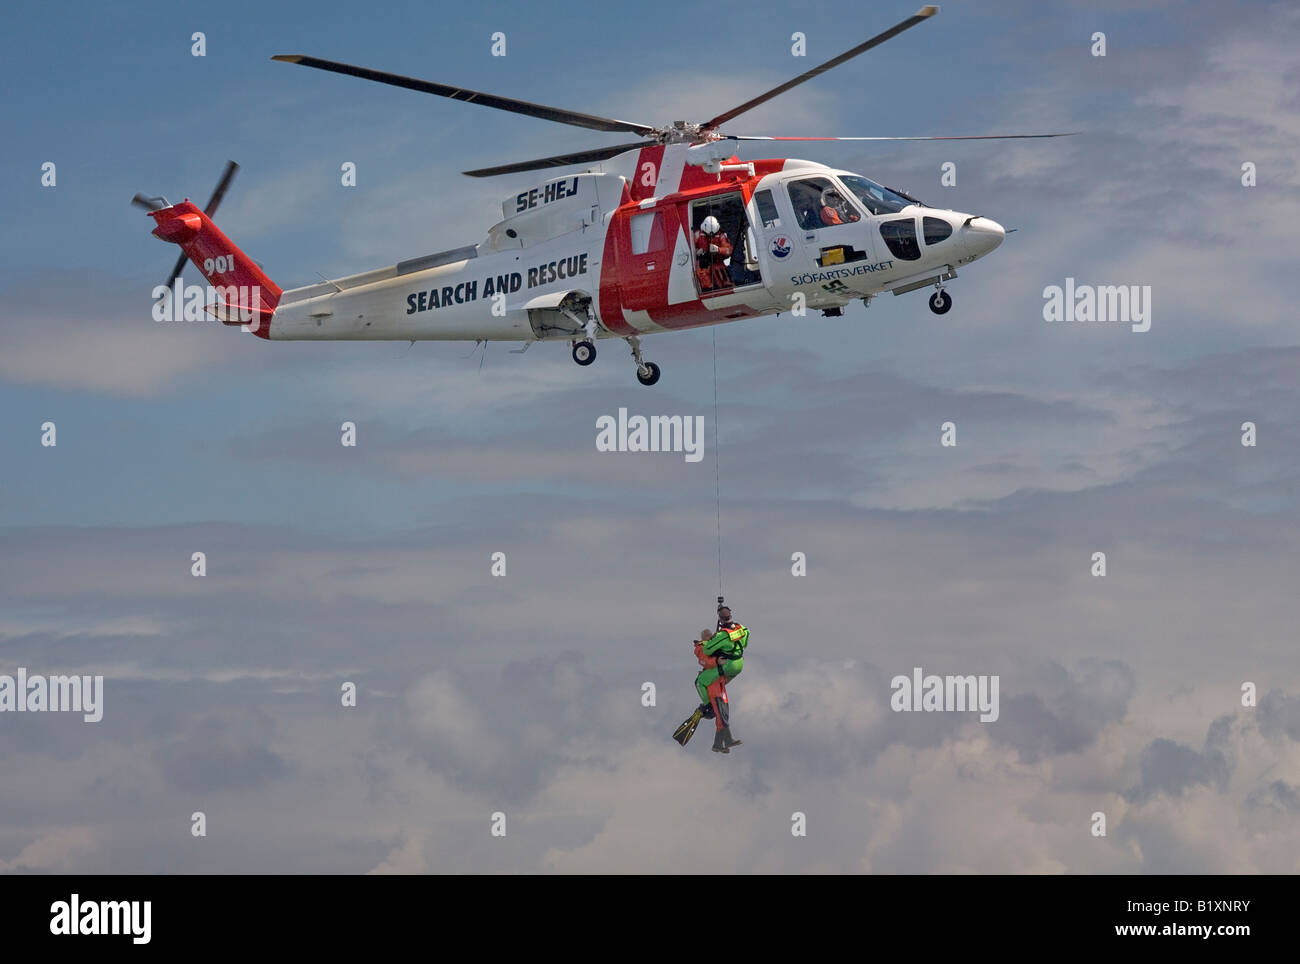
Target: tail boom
column 250, row 296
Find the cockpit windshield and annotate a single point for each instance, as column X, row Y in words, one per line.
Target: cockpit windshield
column 877, row 198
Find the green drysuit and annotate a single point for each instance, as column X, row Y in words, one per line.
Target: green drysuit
column 727, row 643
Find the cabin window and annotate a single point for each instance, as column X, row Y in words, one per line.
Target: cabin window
column 647, row 232
column 767, row 209
column 900, row 238
column 935, row 230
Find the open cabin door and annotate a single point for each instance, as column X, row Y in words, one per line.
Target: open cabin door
column 726, row 260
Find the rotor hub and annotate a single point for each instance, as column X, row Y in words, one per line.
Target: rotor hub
column 682, row 132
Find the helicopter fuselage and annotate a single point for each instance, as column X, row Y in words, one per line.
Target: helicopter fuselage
column 621, row 253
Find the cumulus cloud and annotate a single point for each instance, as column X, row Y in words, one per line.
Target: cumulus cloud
column 57, row 851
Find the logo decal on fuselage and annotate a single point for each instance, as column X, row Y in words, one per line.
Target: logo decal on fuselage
column 781, row 247
column 813, row 277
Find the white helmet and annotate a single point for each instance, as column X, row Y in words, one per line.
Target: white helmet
column 710, row 225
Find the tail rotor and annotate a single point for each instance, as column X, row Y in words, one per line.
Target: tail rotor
column 152, row 204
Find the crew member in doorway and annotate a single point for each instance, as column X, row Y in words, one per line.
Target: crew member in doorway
column 712, row 248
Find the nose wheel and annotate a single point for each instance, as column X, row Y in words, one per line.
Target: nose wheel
column 647, row 373
column 940, row 302
column 584, row 352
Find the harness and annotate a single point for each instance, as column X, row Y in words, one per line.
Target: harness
column 735, row 632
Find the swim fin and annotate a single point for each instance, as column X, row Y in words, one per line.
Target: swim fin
column 684, row 732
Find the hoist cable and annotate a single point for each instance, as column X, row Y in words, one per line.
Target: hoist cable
column 717, row 452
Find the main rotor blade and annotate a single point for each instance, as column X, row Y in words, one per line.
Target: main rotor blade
column 953, row 137
column 226, row 177
column 923, row 14
column 557, row 114
column 558, row 160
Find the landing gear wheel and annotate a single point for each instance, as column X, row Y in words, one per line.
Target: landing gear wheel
column 584, row 352
column 647, row 373
column 940, row 302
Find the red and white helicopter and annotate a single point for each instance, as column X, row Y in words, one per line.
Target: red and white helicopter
column 672, row 232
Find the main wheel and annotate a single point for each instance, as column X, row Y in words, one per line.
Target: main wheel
column 940, row 302
column 584, row 353
column 650, row 375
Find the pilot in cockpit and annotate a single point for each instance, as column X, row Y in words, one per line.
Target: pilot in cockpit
column 835, row 210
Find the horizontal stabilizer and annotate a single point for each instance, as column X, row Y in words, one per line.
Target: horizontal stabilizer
column 239, row 314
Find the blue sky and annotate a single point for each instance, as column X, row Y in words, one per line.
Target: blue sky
column 371, row 563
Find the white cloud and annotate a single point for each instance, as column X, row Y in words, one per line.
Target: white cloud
column 112, row 351
column 54, row 851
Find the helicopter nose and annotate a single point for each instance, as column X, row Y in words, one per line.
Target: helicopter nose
column 982, row 235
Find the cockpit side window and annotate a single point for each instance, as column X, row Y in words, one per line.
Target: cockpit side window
column 818, row 203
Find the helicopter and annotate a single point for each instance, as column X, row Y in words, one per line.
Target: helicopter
column 666, row 233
